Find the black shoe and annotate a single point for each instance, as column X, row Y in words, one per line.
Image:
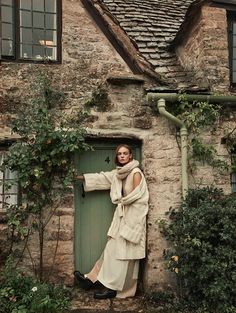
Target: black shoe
column 84, row 282
column 107, row 294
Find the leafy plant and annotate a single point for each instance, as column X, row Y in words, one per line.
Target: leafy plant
column 199, row 118
column 43, row 160
column 20, row 293
column 203, row 235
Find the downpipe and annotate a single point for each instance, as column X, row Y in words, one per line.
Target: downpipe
column 184, row 143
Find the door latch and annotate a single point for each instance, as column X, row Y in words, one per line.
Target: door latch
column 83, row 192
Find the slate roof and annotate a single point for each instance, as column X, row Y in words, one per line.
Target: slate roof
column 152, row 25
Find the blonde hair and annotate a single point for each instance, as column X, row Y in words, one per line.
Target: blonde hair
column 118, row 148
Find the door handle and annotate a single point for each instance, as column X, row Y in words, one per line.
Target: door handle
column 83, row 192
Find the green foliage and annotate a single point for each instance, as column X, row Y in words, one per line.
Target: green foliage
column 43, row 158
column 200, row 117
column 20, row 293
column 207, row 154
column 203, row 234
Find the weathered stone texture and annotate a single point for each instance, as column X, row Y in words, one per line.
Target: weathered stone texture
column 204, row 49
column 88, row 60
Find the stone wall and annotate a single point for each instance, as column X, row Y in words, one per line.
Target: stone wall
column 205, row 48
column 88, row 60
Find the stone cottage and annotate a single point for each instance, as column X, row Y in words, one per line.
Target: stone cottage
column 144, row 53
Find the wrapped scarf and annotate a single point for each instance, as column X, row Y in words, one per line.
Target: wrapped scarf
column 122, row 173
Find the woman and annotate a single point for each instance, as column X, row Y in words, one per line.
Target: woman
column 117, row 269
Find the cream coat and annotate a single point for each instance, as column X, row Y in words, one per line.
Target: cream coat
column 128, row 226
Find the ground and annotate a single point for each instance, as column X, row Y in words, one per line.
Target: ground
column 83, row 301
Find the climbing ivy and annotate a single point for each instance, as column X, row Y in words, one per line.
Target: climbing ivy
column 43, row 160
column 200, row 117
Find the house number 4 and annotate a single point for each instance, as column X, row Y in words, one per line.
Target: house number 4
column 107, row 160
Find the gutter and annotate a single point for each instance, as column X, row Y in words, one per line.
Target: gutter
column 173, row 97
column 160, row 99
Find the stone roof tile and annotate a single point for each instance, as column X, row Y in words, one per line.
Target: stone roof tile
column 153, row 25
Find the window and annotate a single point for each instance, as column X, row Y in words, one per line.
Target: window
column 31, row 30
column 8, row 196
column 232, row 45
column 233, row 174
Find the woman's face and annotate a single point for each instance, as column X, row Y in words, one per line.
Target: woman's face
column 124, row 156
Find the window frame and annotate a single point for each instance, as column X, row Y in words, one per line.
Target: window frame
column 233, row 172
column 3, row 209
column 231, row 17
column 16, row 37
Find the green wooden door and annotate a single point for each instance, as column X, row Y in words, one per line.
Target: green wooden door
column 93, row 210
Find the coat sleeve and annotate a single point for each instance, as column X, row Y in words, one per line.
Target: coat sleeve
column 98, row 181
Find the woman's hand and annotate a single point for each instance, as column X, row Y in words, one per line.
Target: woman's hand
column 79, row 177
column 136, row 180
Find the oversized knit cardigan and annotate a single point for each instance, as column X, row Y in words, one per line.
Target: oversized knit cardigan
column 128, row 226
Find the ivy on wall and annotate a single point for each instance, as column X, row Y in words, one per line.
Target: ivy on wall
column 200, row 118
column 43, row 159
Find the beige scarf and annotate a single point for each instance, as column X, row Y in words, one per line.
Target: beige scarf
column 122, row 173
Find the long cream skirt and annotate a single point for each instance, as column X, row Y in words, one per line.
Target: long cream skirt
column 119, row 275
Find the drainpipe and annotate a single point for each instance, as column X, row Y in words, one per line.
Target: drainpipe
column 184, row 144
column 161, row 98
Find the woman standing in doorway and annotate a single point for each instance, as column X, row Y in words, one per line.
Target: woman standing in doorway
column 117, row 268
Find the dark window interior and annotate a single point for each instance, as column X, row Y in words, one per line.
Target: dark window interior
column 31, row 30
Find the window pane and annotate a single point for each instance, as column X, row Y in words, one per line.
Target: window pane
column 7, row 47
column 38, row 35
column 6, row 14
column 38, row 5
column 25, row 19
column 25, row 4
column 234, row 77
column 234, row 28
column 7, row 31
column 38, row 20
column 7, row 2
column 26, row 51
column 51, row 21
column 50, row 6
column 26, row 35
column 51, row 53
column 51, row 38
column 234, row 53
column 233, row 182
column 38, row 52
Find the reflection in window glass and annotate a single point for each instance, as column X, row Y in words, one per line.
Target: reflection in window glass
column 38, row 5
column 26, row 35
column 25, row 19
column 36, row 29
column 51, row 21
column 26, row 51
column 233, row 182
column 7, row 31
column 50, row 6
column 51, row 36
column 25, row 4
column 38, row 35
column 7, row 2
column 38, row 52
column 8, row 196
column 51, row 53
column 38, row 20
column 7, row 47
column 6, row 14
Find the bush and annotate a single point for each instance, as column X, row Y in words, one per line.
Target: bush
column 203, row 234
column 20, row 293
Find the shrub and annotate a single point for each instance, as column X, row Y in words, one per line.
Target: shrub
column 203, row 234
column 20, row 293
